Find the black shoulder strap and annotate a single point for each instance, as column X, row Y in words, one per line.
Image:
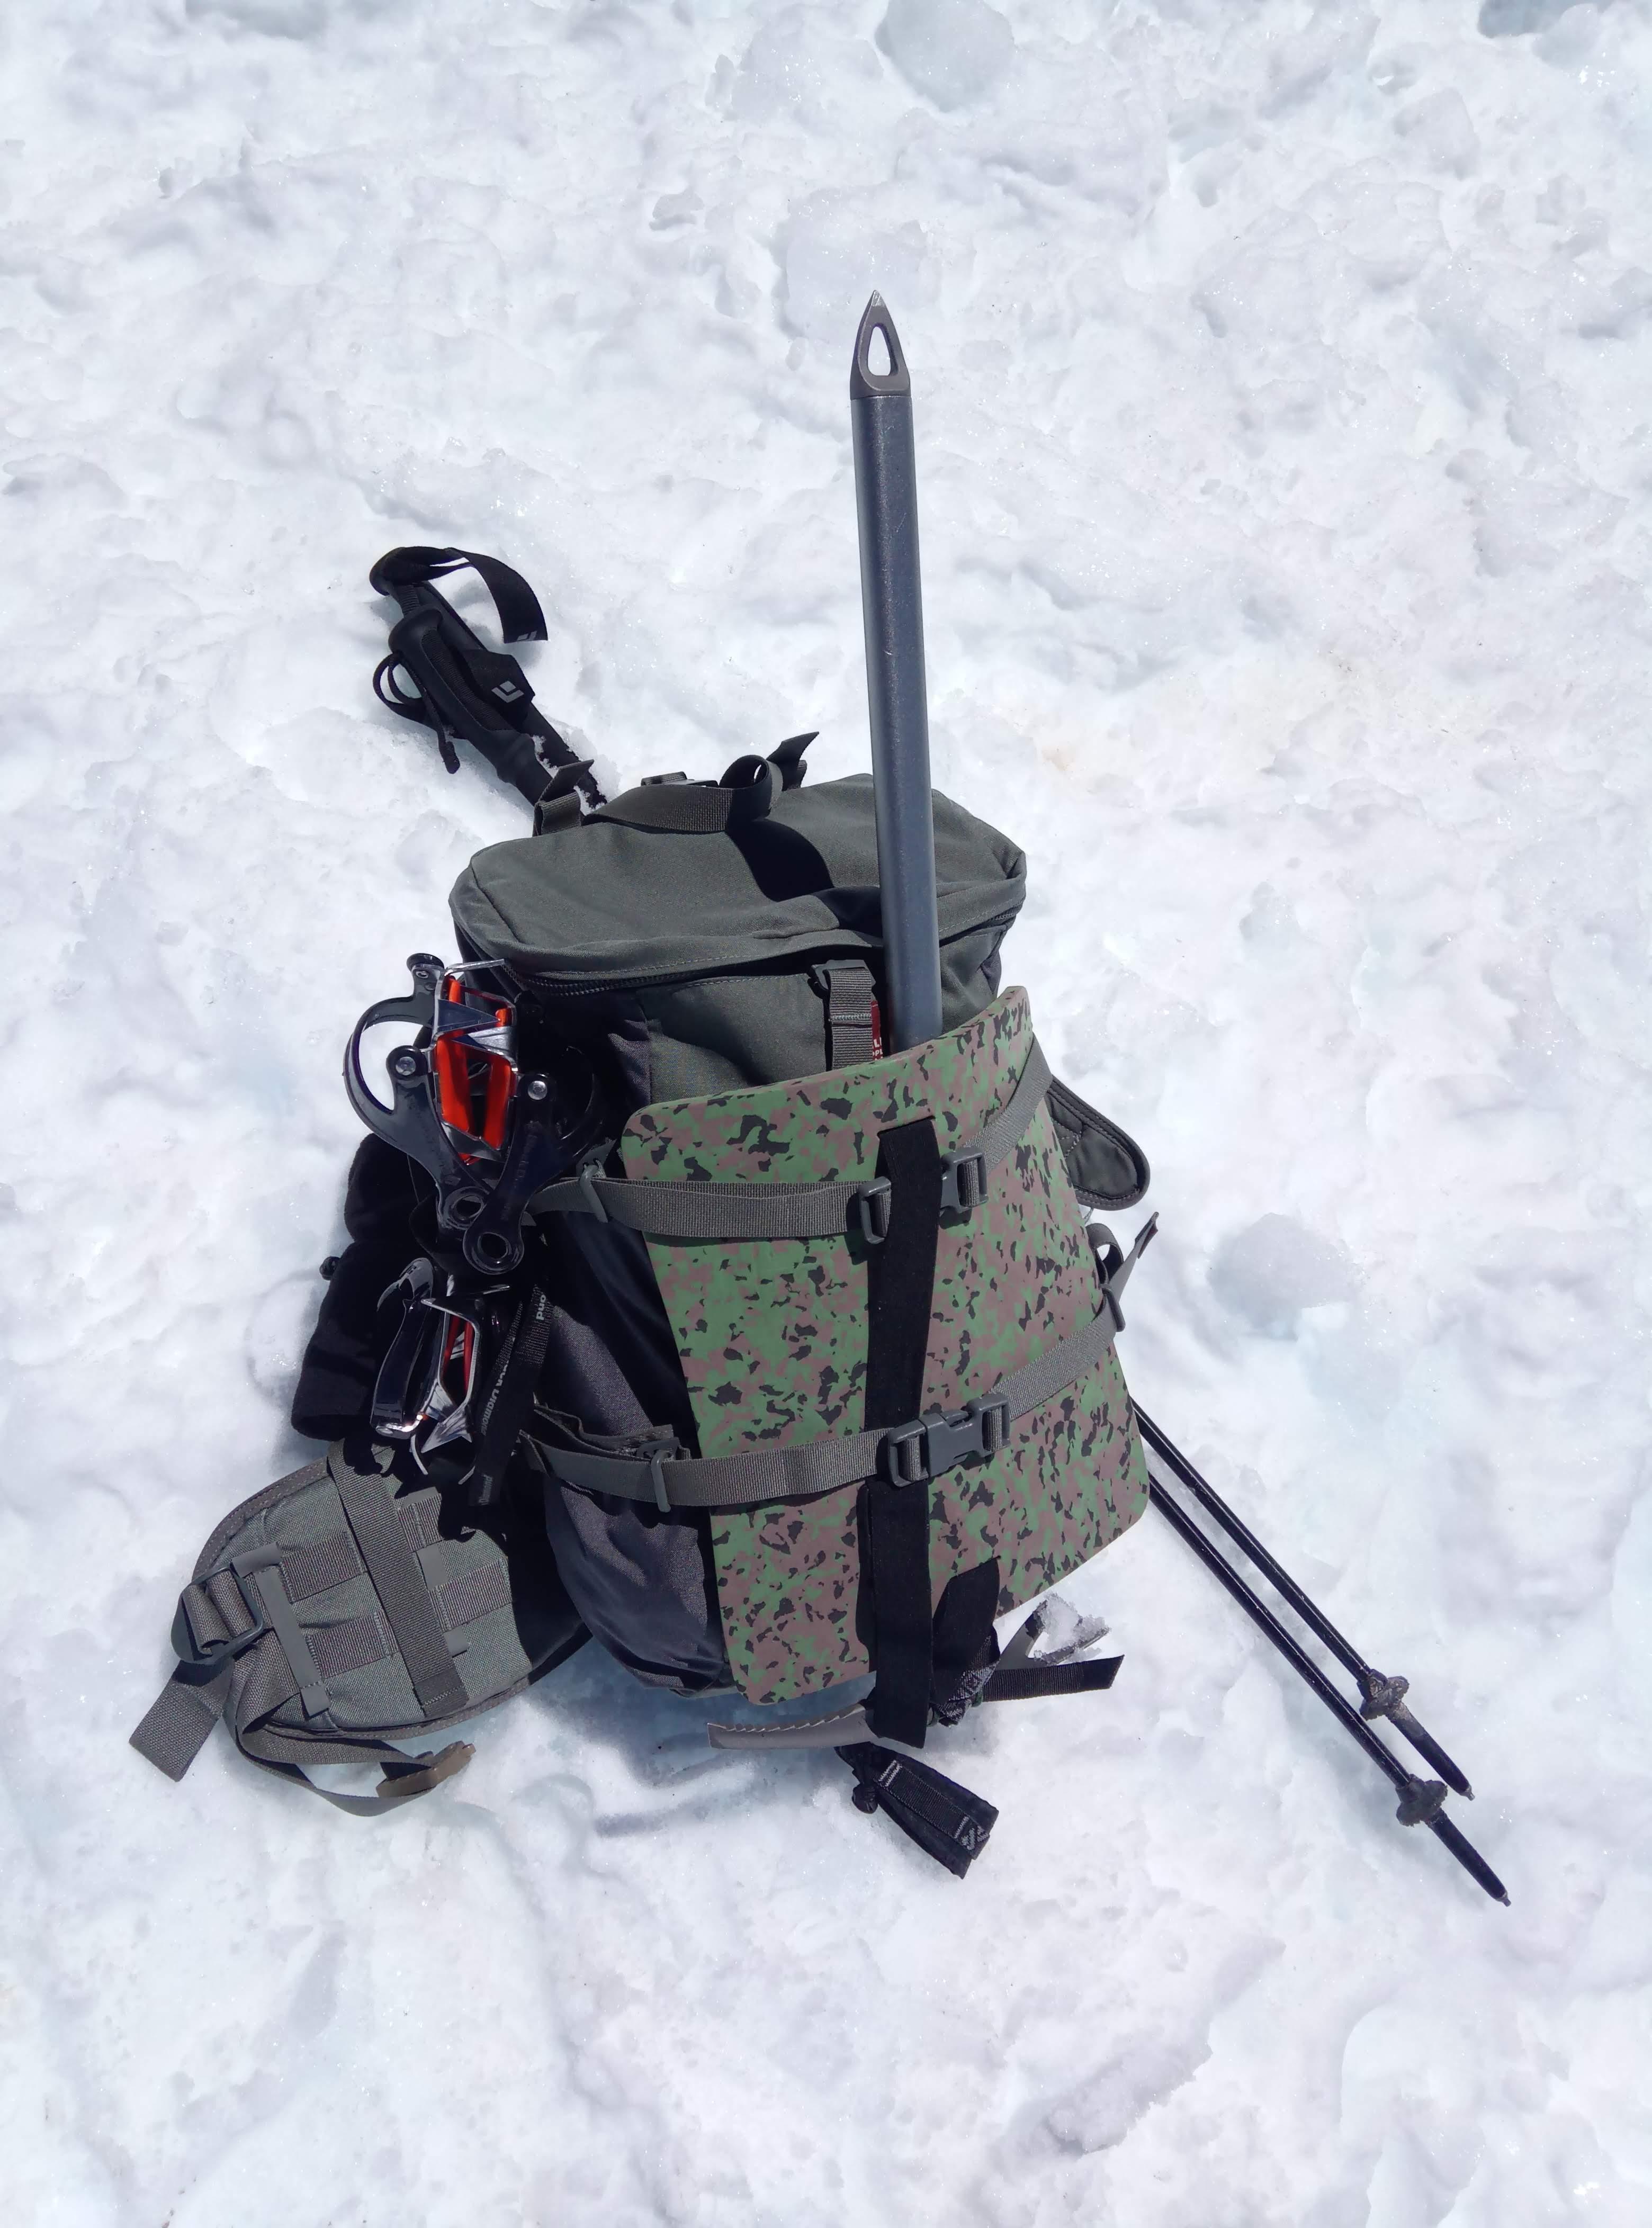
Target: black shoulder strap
column 462, row 688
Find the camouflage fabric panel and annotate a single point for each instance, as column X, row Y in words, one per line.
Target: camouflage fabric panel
column 1071, row 1478
column 773, row 1338
column 1012, row 1278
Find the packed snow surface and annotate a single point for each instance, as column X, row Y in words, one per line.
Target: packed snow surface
column 1281, row 377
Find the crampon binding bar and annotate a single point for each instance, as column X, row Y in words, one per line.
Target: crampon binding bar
column 488, row 1134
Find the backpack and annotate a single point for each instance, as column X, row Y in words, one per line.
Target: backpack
column 677, row 1312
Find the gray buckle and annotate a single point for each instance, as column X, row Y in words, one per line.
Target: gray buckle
column 872, row 1204
column 207, row 1655
column 911, row 1454
column 256, row 1574
column 964, row 1181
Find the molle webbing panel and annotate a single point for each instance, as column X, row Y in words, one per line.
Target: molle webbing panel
column 772, row 1337
column 335, row 1613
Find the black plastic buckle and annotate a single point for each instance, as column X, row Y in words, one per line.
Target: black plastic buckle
column 963, row 1181
column 872, row 1204
column 911, row 1454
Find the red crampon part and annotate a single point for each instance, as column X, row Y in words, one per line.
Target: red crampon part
column 474, row 1085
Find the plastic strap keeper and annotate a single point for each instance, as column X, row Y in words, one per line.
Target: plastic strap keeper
column 963, row 1181
column 872, row 1204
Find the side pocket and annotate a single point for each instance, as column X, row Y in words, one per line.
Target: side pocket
column 1108, row 1168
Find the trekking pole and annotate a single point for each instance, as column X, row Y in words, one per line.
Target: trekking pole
column 892, row 605
column 1381, row 1696
column 1421, row 1801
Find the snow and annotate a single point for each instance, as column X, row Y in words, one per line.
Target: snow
column 1281, row 376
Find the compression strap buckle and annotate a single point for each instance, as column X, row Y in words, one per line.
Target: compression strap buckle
column 911, row 1454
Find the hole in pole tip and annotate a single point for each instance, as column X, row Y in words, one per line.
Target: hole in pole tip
column 879, row 367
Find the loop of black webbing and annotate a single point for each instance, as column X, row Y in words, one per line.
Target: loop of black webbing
column 900, row 1281
column 397, row 571
column 946, row 1821
column 1035, row 1681
column 965, row 1646
column 788, row 758
column 510, row 1398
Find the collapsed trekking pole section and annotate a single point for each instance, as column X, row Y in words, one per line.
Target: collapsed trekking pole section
column 1422, row 1802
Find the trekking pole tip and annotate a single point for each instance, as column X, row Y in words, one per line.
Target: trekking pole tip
column 864, row 381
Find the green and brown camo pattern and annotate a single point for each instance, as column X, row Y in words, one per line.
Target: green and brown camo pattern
column 773, row 1334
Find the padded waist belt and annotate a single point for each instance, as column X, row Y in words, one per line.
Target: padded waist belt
column 732, row 1211
column 910, row 1454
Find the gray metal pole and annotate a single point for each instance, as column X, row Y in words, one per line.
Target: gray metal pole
column 886, row 502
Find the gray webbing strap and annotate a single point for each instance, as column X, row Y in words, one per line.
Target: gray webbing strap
column 400, row 1587
column 176, row 1724
column 262, row 1565
column 477, row 1594
column 216, row 1609
column 835, row 1731
column 756, row 1210
column 349, row 1646
column 316, row 1570
column 845, row 985
column 681, row 807
column 405, row 1776
column 801, row 1471
column 693, row 808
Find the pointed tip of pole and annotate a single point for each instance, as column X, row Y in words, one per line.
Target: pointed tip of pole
column 864, row 381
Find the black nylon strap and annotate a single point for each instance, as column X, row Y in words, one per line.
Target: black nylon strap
column 947, row 1822
column 399, row 1585
column 1034, row 1682
column 510, row 1401
column 964, row 1643
column 900, row 1277
column 520, row 619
